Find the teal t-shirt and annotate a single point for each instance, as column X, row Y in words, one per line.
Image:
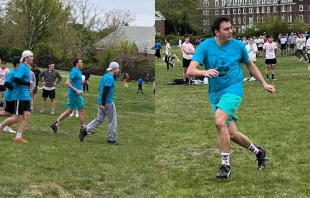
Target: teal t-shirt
column 106, row 80
column 21, row 92
column 226, row 59
column 76, row 81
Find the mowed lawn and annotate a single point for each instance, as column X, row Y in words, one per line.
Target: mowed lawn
column 187, row 155
column 59, row 165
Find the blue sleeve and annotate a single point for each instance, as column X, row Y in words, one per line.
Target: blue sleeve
column 109, row 82
column 244, row 55
column 9, row 78
column 200, row 53
column 20, row 72
column 72, row 74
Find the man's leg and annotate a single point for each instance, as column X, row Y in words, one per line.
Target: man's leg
column 112, row 118
column 87, row 87
column 43, row 105
column 273, row 66
column 65, row 114
column 267, row 72
column 53, row 103
column 22, row 124
column 10, row 121
column 184, row 74
column 81, row 116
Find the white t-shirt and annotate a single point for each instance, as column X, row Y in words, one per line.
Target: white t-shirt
column 167, row 51
column 252, row 50
column 260, row 42
column 256, row 41
column 3, row 74
column 304, row 41
column 308, row 45
column 299, row 43
column 189, row 47
column 283, row 40
column 270, row 50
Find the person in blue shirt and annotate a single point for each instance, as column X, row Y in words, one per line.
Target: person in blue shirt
column 21, row 96
column 10, row 104
column 75, row 100
column 158, row 48
column 106, row 106
column 221, row 56
column 140, row 83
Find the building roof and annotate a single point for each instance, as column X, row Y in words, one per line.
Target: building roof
column 143, row 37
column 159, row 16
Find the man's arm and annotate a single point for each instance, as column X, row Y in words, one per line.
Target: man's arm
column 41, row 77
column 59, row 77
column 185, row 50
column 68, row 83
column 264, row 53
column 105, row 94
column 20, row 81
column 193, row 71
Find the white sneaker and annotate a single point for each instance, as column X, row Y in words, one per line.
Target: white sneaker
column 9, row 129
column 77, row 113
column 71, row 114
column 246, row 79
column 252, row 79
column 300, row 59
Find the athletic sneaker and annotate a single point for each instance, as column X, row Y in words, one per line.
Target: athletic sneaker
column 246, row 79
column 76, row 113
column 54, row 128
column 20, row 140
column 274, row 79
column 42, row 111
column 83, row 133
column 52, row 112
column 252, row 79
column 300, row 59
column 112, row 142
column 267, row 79
column 261, row 158
column 9, row 129
column 224, row 172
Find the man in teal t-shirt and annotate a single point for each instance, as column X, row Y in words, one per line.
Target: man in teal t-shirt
column 75, row 100
column 106, row 106
column 221, row 57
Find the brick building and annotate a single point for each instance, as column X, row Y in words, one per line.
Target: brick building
column 159, row 23
column 246, row 13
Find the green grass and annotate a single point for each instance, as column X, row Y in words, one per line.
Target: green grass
column 188, row 158
column 60, row 165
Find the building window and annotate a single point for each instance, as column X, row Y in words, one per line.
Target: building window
column 244, row 2
column 235, row 2
column 240, row 30
column 223, row 2
column 239, row 11
column 234, row 29
column 234, row 11
column 217, row 3
column 257, row 19
column 205, row 3
column 244, row 11
column 283, row 1
column 234, row 20
column 204, row 22
column 274, row 9
column 250, row 10
column 244, row 20
column 301, row 18
column 268, row 1
column 258, row 1
column 257, row 10
column 283, row 9
column 228, row 11
column 290, row 8
column 268, row 9
column 239, row 20
column 263, row 9
column 291, row 19
column 275, row 1
column 208, row 21
column 228, row 2
column 263, row 1
column 283, row 18
column 207, row 13
column 250, row 20
column 216, row 12
column 250, row 2
column 301, row 8
column 239, row 2
column 223, row 12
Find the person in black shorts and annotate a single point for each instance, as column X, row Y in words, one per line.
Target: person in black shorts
column 48, row 79
column 188, row 50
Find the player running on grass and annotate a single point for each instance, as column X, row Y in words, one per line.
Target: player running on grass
column 225, row 88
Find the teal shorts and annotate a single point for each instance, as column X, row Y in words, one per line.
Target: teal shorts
column 228, row 103
column 75, row 102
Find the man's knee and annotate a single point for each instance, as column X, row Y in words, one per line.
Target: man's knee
column 220, row 122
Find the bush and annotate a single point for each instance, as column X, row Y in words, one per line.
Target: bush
column 8, row 52
column 47, row 53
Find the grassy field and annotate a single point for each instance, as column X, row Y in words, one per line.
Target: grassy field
column 187, row 155
column 60, row 165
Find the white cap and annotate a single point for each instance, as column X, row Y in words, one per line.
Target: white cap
column 26, row 54
column 113, row 65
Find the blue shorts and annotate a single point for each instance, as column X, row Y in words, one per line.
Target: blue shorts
column 228, row 103
column 75, row 102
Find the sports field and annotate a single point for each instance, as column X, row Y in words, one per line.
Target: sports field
column 187, row 155
column 51, row 165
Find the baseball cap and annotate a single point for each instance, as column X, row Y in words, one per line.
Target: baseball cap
column 113, row 65
column 26, row 54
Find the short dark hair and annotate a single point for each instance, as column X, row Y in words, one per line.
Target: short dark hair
column 217, row 22
column 33, row 65
column 3, row 62
column 16, row 61
column 167, row 39
column 76, row 61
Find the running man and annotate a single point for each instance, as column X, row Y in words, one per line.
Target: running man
column 270, row 51
column 21, row 96
column 221, row 57
column 106, row 106
column 3, row 74
column 140, row 84
column 188, row 50
column 48, row 79
column 75, row 100
column 168, row 54
column 300, row 49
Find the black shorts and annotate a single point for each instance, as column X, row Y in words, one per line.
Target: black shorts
column 271, row 61
column 260, row 48
column 35, row 90
column 186, row 62
column 2, row 88
column 51, row 94
column 292, row 46
column 10, row 106
column 283, row 46
column 22, row 106
column 140, row 86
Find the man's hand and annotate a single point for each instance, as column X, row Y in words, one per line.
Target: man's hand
column 79, row 92
column 54, row 84
column 269, row 88
column 30, row 82
column 101, row 107
column 43, row 83
column 211, row 73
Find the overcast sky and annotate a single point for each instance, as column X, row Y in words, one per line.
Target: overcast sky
column 144, row 10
